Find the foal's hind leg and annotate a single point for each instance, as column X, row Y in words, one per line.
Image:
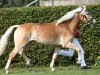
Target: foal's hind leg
column 19, row 44
column 21, row 52
column 11, row 56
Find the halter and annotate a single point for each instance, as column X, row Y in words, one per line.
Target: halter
column 90, row 20
column 84, row 16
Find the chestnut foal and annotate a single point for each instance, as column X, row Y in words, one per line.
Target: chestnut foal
column 57, row 33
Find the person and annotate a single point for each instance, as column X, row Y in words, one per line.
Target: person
column 70, row 52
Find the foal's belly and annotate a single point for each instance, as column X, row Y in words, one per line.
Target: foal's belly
column 45, row 40
column 52, row 42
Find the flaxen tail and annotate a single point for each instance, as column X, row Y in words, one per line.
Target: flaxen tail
column 4, row 39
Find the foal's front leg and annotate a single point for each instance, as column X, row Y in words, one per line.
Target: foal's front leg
column 53, row 59
column 72, row 46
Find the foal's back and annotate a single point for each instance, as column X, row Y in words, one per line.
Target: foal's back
column 43, row 33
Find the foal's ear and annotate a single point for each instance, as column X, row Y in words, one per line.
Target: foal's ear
column 82, row 6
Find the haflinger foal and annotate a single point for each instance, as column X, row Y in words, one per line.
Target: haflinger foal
column 60, row 32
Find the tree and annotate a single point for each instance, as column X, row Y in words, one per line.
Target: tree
column 11, row 3
column 3, row 3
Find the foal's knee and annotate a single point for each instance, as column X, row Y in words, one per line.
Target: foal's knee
column 11, row 56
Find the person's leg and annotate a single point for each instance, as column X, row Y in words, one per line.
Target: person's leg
column 69, row 52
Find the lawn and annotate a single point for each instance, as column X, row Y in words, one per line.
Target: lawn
column 69, row 70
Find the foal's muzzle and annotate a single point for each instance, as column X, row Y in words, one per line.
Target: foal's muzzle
column 92, row 22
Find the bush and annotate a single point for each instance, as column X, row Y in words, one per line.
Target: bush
column 97, row 62
column 38, row 53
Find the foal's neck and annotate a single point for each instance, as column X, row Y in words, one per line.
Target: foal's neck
column 74, row 22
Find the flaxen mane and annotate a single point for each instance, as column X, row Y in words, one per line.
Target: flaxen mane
column 69, row 15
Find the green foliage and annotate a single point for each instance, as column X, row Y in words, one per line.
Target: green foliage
column 38, row 53
column 97, row 62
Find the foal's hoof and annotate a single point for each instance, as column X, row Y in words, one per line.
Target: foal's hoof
column 78, row 62
column 52, row 70
column 28, row 66
column 7, row 72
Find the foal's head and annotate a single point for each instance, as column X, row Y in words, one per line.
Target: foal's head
column 84, row 15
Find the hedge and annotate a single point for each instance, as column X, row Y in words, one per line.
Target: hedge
column 38, row 53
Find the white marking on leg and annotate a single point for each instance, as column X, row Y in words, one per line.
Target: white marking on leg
column 79, row 58
column 7, row 66
column 53, row 61
column 11, row 56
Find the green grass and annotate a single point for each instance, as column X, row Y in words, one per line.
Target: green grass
column 70, row 70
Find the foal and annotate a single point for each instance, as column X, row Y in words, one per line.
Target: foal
column 58, row 33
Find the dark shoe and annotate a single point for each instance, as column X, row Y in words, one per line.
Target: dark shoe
column 86, row 67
